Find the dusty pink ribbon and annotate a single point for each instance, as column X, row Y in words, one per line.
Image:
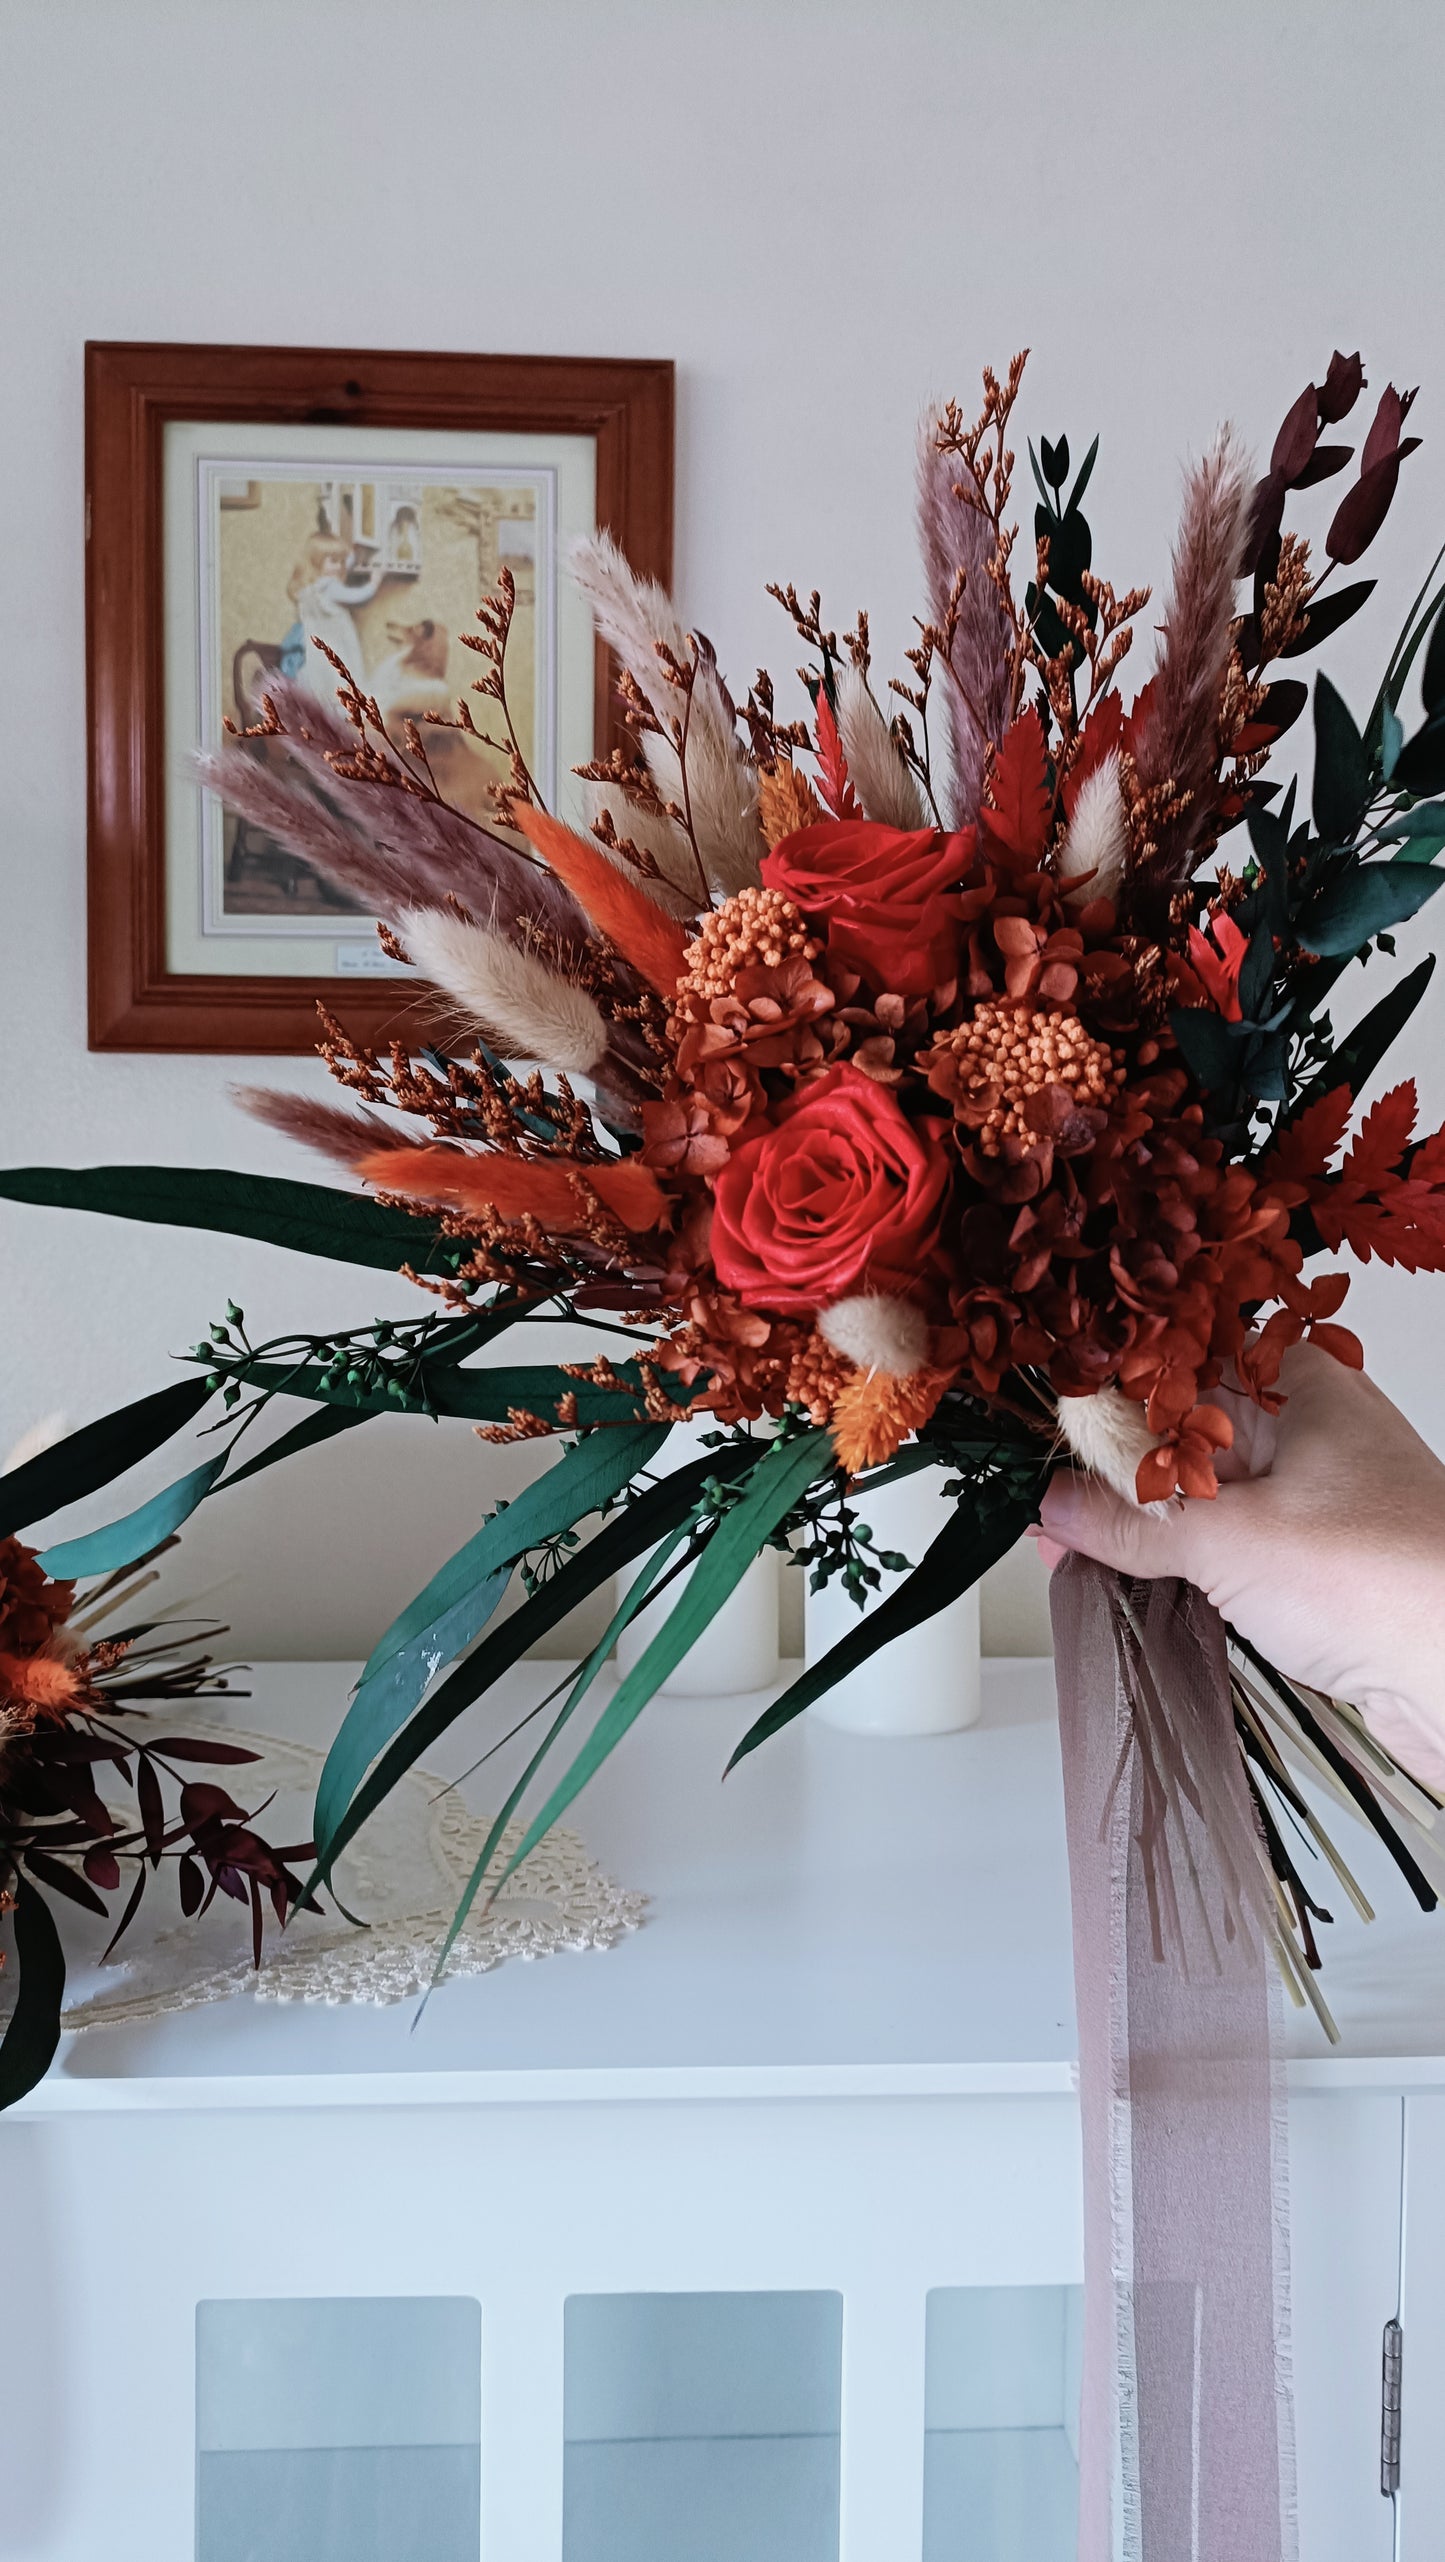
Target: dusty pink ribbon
column 1186, row 2451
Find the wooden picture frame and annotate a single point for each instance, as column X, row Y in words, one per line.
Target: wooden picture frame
column 134, row 393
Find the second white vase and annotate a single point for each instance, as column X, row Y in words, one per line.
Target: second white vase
column 928, row 1682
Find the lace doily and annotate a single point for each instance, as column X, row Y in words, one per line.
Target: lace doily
column 403, row 1875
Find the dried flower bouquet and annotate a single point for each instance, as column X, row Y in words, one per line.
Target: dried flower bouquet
column 923, row 1080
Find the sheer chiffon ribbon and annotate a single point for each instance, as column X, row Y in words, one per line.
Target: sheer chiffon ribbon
column 1186, row 2451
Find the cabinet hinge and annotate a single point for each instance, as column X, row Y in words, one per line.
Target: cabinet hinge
column 1392, row 2355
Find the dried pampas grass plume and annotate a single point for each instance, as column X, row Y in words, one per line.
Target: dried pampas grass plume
column 955, row 535
column 639, row 622
column 878, row 1333
column 1177, row 743
column 1091, row 858
column 1108, row 1435
column 523, row 1008
column 327, row 1127
column 884, row 785
column 652, row 833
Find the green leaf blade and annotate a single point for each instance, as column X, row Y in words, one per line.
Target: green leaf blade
column 968, row 1544
column 88, row 1459
column 450, row 1612
column 777, row 1482
column 307, row 1218
column 28, row 2046
column 120, row 1543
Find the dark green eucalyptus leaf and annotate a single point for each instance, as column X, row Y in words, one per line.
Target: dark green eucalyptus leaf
column 1349, row 913
column 1432, row 674
column 1420, row 765
column 1354, row 1060
column 33, row 2033
column 1426, row 819
column 324, row 1425
column 120, row 1543
column 1213, row 1050
column 635, row 1529
column 88, row 1459
column 309, row 1218
column 1086, row 473
column 484, row 1396
column 1265, row 1070
column 1344, row 777
column 773, row 1489
column 1071, row 552
column 449, row 1613
column 633, row 1600
column 1324, row 618
column 973, row 1539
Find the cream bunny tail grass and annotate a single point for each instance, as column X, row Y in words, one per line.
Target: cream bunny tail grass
column 1108, row 1435
column 882, row 781
column 520, row 1005
column 1091, row 858
column 639, row 622
column 878, row 1333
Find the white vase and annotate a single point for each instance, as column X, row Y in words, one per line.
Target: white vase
column 738, row 1649
column 927, row 1682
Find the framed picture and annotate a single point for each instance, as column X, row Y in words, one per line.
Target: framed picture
column 249, row 509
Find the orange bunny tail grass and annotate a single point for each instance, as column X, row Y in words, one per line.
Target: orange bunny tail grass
column 40, row 1685
column 644, row 933
column 558, row 1192
column 875, row 1414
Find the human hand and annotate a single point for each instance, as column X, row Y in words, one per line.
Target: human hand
column 1325, row 1548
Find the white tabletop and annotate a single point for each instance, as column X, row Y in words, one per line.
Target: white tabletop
column 845, row 1914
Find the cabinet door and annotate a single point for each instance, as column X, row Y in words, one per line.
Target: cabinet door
column 1422, row 2318
column 1345, row 2228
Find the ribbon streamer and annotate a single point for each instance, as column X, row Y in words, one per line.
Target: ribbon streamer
column 1186, row 2444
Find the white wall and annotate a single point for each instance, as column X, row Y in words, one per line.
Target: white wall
column 824, row 214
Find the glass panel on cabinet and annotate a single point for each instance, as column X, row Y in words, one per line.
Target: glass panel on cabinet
column 1001, row 2416
column 702, row 2428
column 338, row 2429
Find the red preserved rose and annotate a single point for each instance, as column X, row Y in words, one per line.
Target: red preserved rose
column 842, row 1192
column 881, row 894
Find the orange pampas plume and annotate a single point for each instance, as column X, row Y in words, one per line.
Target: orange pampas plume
column 633, row 923
column 520, row 1187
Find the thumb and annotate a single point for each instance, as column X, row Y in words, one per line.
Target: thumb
column 1083, row 1514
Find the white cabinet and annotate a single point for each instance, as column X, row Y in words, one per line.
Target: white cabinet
column 1422, row 2323
column 757, row 2236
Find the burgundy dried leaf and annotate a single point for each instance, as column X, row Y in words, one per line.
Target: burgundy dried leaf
column 1384, row 436
column 64, row 1881
column 258, row 1923
column 202, row 1802
column 1297, row 437
column 1323, row 464
column 1266, row 514
column 191, row 1883
column 152, row 1810
column 102, row 1868
column 232, row 1883
column 131, row 1907
column 1341, row 388
column 201, row 1748
column 1361, row 513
